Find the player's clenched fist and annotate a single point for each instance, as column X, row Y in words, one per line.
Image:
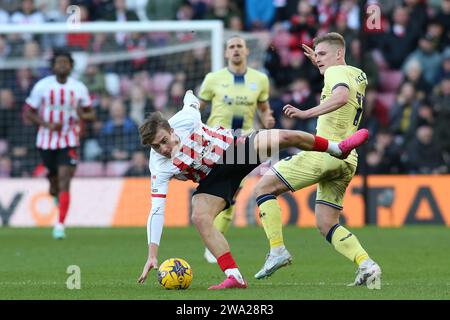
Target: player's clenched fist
column 293, row 112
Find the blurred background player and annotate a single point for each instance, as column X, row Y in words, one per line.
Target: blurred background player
column 56, row 104
column 236, row 93
column 339, row 115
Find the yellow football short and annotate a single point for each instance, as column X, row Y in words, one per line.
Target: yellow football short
column 308, row 168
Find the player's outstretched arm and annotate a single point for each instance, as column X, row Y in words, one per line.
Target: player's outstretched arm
column 152, row 262
column 155, row 221
column 337, row 100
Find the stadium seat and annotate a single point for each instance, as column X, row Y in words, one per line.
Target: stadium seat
column 90, row 169
column 116, row 168
column 160, row 101
column 390, row 80
column 386, row 99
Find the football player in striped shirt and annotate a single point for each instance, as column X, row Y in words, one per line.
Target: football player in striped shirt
column 236, row 93
column 56, row 104
column 184, row 148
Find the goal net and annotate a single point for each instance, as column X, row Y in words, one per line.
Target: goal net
column 129, row 68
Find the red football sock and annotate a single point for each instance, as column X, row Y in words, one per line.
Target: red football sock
column 320, row 144
column 226, row 261
column 64, row 200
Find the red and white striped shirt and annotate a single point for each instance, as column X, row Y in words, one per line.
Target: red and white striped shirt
column 57, row 103
column 201, row 147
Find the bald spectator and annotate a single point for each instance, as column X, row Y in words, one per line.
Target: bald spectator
column 429, row 58
column 119, row 136
column 139, row 105
column 414, row 73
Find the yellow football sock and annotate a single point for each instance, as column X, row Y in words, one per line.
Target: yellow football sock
column 270, row 214
column 347, row 244
column 223, row 220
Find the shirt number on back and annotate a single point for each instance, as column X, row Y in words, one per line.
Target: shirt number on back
column 360, row 99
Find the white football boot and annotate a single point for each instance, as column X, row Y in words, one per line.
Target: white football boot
column 58, row 232
column 368, row 273
column 209, row 256
column 273, row 263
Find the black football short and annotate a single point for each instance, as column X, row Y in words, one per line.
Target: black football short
column 225, row 177
column 60, row 157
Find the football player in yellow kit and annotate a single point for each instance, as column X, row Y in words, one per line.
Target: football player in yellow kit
column 339, row 114
column 236, row 93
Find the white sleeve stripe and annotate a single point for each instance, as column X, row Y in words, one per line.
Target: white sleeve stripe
column 155, row 220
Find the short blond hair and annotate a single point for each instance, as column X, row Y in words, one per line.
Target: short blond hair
column 332, row 38
column 236, row 36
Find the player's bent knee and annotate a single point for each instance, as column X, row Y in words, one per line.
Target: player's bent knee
column 201, row 219
column 263, row 188
column 324, row 227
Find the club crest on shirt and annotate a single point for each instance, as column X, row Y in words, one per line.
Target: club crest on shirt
column 253, row 86
column 228, row 100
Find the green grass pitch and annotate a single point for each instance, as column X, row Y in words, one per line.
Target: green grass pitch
column 415, row 261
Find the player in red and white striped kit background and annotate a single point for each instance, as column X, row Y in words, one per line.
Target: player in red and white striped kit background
column 56, row 104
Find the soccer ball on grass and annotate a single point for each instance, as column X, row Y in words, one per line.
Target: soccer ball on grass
column 175, row 273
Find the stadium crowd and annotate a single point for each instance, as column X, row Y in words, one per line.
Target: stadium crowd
column 406, row 57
